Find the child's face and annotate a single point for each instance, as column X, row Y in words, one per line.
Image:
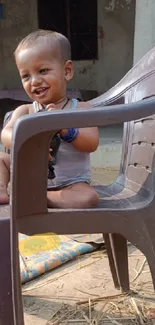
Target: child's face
column 43, row 73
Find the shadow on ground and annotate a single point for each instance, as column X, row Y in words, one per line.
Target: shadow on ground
column 51, row 312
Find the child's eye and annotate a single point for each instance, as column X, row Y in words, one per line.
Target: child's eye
column 25, row 77
column 44, row 71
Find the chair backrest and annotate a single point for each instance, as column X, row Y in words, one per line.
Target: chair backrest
column 138, row 136
column 143, row 70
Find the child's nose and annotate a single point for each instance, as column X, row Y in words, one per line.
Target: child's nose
column 35, row 80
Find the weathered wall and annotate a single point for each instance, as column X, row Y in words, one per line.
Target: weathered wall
column 115, row 45
column 20, row 18
column 144, row 38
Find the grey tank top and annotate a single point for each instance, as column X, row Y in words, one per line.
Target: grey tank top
column 72, row 166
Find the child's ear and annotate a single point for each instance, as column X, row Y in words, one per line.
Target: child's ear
column 69, row 71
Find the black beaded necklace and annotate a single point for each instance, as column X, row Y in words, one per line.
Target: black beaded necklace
column 44, row 107
column 65, row 103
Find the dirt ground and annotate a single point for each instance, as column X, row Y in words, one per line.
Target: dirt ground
column 82, row 292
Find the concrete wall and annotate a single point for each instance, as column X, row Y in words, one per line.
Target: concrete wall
column 115, row 45
column 20, row 18
column 144, row 38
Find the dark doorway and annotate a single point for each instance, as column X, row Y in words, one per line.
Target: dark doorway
column 77, row 20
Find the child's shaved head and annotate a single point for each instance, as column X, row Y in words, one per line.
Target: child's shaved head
column 56, row 40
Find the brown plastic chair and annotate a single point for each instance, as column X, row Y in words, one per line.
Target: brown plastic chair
column 122, row 210
column 126, row 209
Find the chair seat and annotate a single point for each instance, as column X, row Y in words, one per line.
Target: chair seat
column 114, row 196
column 4, row 211
column 118, row 197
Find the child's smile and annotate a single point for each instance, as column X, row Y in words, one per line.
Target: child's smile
column 40, row 92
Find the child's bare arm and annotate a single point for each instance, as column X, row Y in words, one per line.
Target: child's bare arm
column 6, row 134
column 88, row 138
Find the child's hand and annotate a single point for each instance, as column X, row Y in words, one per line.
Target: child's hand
column 63, row 132
column 50, row 107
column 49, row 155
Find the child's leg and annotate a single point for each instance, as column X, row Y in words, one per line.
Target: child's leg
column 79, row 195
column 4, row 176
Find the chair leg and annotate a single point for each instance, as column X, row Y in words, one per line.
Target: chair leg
column 112, row 265
column 152, row 269
column 146, row 244
column 16, row 281
column 120, row 255
column 6, row 304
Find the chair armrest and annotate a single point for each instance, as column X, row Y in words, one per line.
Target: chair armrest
column 30, row 125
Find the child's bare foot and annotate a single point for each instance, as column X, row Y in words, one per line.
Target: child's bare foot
column 4, row 197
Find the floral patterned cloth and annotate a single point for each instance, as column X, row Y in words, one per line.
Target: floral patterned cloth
column 41, row 253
